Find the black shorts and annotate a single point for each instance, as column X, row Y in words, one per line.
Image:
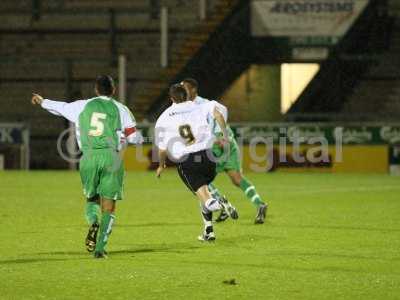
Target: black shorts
column 197, row 169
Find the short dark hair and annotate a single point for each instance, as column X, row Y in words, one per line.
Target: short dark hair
column 105, row 85
column 178, row 93
column 193, row 82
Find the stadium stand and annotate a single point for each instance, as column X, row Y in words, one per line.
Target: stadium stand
column 363, row 73
column 378, row 90
column 56, row 48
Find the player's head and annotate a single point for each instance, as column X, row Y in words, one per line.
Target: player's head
column 105, row 86
column 177, row 93
column 192, row 87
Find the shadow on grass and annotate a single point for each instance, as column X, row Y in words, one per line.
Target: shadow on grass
column 80, row 255
column 137, row 250
column 245, row 239
column 166, row 249
column 122, row 225
column 333, row 227
column 38, row 260
column 157, row 224
column 166, row 224
column 279, row 267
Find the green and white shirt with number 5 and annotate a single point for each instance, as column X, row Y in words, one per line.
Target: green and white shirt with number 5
column 100, row 122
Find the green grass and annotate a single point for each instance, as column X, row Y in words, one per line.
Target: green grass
column 326, row 237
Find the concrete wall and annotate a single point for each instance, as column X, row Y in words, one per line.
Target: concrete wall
column 255, row 96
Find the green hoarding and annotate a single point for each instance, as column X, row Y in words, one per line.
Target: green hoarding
column 305, row 133
column 369, row 134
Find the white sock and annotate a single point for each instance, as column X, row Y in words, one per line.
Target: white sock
column 207, row 224
column 206, row 214
column 212, row 204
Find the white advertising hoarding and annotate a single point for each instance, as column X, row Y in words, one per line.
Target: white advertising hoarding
column 296, row 18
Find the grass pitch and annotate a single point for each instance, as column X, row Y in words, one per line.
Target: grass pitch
column 326, row 237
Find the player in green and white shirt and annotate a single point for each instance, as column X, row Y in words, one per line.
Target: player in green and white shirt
column 231, row 164
column 103, row 126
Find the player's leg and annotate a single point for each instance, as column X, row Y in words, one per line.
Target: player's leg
column 92, row 210
column 233, row 168
column 250, row 192
column 196, row 183
column 92, row 217
column 90, row 178
column 246, row 186
column 220, row 167
column 110, row 189
column 214, row 191
column 217, row 195
column 197, row 171
column 208, row 205
column 209, row 202
column 106, row 223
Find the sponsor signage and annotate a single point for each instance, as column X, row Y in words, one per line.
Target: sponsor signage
column 310, row 53
column 11, row 134
column 302, row 133
column 322, row 147
column 351, row 134
column 301, row 18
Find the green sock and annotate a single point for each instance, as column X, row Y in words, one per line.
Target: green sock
column 214, row 191
column 92, row 212
column 107, row 220
column 250, row 191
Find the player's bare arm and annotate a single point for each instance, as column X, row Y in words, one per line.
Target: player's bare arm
column 162, row 155
column 222, row 124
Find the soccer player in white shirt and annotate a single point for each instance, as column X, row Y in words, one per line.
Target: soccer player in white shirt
column 183, row 132
column 229, row 161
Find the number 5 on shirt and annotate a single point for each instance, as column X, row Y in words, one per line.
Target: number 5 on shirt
column 96, row 122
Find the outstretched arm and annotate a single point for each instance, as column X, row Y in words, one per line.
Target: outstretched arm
column 70, row 111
